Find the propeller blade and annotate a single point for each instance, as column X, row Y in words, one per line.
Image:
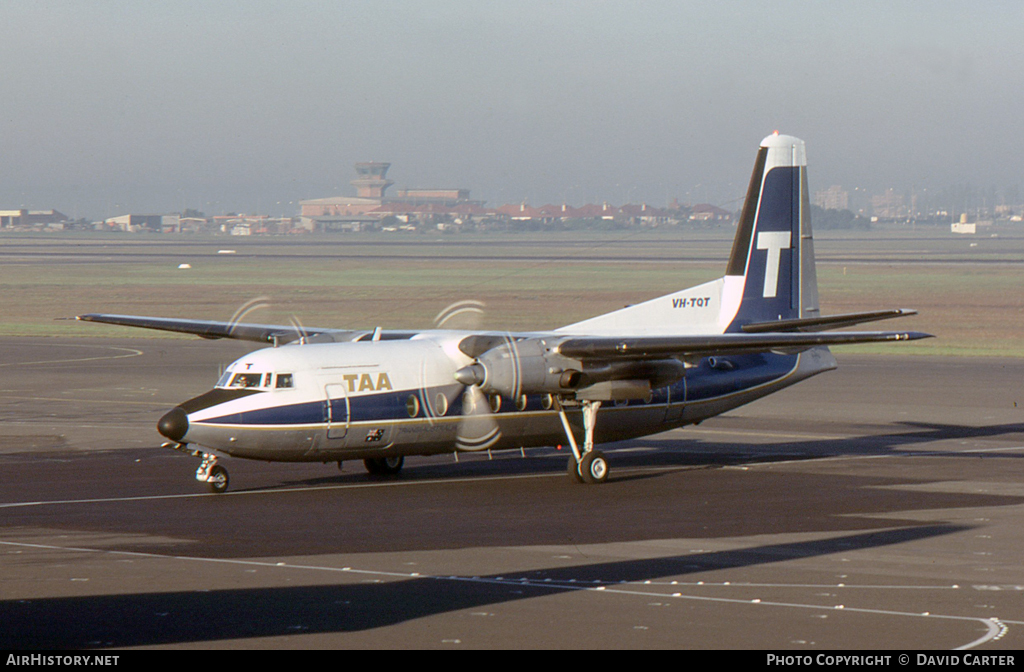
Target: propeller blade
column 255, row 303
column 300, row 331
column 478, row 429
column 466, row 314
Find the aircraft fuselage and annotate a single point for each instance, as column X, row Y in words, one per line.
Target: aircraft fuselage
column 371, row 399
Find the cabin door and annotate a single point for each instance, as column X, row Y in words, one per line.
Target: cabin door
column 336, row 411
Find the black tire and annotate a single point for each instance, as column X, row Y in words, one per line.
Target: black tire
column 218, row 480
column 594, row 467
column 384, row 466
column 573, row 469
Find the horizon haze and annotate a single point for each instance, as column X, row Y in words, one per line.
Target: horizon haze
column 114, row 107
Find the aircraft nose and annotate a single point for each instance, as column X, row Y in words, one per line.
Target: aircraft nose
column 174, row 424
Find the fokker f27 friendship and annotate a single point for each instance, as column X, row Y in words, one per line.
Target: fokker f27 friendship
column 326, row 395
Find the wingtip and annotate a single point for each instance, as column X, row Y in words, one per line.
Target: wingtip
column 89, row 317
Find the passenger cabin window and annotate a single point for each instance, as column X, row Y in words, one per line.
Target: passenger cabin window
column 247, row 380
column 284, row 380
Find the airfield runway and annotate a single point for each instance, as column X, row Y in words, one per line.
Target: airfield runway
column 877, row 507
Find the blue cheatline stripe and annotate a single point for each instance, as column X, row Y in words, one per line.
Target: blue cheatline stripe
column 389, row 405
column 308, row 413
column 703, row 383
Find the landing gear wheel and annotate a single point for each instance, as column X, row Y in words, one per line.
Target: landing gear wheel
column 574, row 470
column 218, row 479
column 384, row 466
column 594, row 467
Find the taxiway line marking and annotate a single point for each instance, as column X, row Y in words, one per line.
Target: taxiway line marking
column 162, row 404
column 476, row 479
column 271, row 491
column 995, row 627
column 132, row 352
column 689, row 431
column 902, row 453
column 801, row 586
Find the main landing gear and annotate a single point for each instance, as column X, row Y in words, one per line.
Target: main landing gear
column 588, row 465
column 384, row 466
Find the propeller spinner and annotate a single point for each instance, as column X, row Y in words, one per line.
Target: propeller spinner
column 478, row 428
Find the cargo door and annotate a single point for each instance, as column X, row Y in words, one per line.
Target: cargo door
column 676, row 401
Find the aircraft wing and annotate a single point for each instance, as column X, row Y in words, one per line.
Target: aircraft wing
column 658, row 347
column 259, row 333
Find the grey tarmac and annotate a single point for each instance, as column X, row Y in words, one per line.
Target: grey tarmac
column 874, row 507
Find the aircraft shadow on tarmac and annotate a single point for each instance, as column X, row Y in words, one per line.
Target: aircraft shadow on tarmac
column 697, row 453
column 893, row 442
column 189, row 617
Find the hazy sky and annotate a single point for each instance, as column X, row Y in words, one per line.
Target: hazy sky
column 110, row 107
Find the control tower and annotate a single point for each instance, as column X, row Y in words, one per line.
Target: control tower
column 371, row 182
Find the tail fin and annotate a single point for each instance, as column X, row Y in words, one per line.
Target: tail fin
column 771, row 273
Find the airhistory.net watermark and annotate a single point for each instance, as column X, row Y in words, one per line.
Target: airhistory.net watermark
column 54, row 660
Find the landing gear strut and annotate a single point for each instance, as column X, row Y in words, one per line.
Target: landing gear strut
column 588, row 465
column 212, row 474
column 209, row 472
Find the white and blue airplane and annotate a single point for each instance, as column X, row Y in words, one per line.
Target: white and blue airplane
column 328, row 395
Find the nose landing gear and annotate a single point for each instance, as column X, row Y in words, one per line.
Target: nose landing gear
column 211, row 473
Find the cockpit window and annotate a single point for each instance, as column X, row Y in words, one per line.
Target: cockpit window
column 284, row 380
column 247, row 380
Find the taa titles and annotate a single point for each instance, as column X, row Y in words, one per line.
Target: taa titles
column 379, row 395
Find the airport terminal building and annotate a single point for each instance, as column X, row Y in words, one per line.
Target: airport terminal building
column 371, row 204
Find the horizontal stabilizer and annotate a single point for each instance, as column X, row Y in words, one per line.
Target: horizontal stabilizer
column 825, row 322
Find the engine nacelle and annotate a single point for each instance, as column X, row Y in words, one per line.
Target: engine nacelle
column 533, row 366
column 528, row 366
column 658, row 373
